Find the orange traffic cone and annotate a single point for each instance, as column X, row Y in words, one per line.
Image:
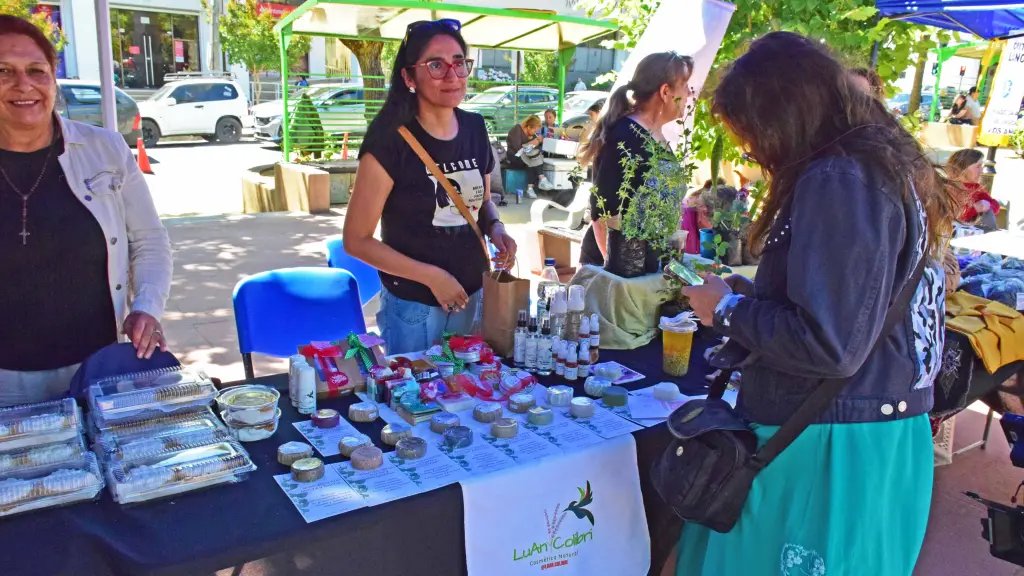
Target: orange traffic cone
column 344, row 147
column 143, row 158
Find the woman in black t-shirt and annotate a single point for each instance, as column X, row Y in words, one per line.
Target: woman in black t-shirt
column 659, row 96
column 430, row 260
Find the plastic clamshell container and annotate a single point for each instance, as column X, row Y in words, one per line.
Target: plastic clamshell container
column 151, row 394
column 248, row 405
column 246, row 433
column 65, row 451
column 166, row 440
column 38, row 424
column 169, row 472
column 32, row 488
column 120, row 434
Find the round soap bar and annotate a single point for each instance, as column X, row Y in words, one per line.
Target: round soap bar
column 326, row 418
column 559, row 395
column 367, row 458
column 666, row 391
column 458, row 437
column 504, row 428
column 615, row 396
column 363, row 412
column 290, row 452
column 594, row 386
column 487, row 412
column 581, row 407
column 392, row 433
column 349, row 443
column 540, row 416
column 411, row 448
column 608, row 371
column 442, row 421
column 520, row 403
column 307, row 470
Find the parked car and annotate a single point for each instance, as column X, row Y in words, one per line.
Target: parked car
column 899, row 104
column 500, row 110
column 342, row 108
column 214, row 108
column 576, row 104
column 80, row 101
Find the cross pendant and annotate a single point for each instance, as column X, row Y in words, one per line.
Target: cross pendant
column 24, row 237
column 24, row 221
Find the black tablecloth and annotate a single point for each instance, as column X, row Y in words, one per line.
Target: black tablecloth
column 254, row 523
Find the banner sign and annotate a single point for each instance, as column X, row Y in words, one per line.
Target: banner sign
column 1007, row 91
column 276, row 10
column 584, row 515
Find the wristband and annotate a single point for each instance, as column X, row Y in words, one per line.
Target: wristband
column 725, row 308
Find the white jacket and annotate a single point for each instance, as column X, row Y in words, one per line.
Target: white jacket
column 103, row 174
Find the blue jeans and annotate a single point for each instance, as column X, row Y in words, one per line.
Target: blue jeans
column 408, row 326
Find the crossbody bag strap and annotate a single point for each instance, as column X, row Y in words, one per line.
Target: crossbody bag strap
column 829, row 389
column 455, row 197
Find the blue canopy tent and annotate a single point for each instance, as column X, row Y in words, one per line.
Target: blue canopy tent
column 988, row 19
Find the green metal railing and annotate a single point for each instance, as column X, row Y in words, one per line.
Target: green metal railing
column 329, row 118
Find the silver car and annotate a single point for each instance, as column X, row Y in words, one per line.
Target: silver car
column 80, row 101
column 342, row 108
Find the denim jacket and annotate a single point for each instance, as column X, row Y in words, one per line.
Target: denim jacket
column 837, row 255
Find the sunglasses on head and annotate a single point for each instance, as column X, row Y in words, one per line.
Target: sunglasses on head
column 446, row 23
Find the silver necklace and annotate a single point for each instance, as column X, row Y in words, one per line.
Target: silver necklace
column 26, row 195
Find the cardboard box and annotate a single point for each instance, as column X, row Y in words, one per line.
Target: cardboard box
column 337, row 375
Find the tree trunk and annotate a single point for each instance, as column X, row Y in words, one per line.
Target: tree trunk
column 368, row 55
column 915, row 91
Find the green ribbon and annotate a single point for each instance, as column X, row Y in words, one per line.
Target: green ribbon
column 356, row 348
column 448, row 356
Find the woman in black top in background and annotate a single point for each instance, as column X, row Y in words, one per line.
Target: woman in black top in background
column 659, row 96
column 430, row 261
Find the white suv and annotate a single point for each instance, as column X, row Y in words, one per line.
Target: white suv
column 214, row 108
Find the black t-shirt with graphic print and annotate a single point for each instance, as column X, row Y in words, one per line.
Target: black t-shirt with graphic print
column 419, row 220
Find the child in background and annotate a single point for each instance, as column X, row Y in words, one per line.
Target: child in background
column 979, row 208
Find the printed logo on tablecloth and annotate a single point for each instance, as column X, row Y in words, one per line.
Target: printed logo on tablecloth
column 558, row 549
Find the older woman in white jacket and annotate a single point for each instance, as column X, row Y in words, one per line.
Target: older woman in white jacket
column 84, row 257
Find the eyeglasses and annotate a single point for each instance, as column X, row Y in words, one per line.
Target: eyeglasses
column 438, row 69
column 446, row 23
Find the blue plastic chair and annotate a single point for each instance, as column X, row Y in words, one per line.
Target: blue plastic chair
column 366, row 275
column 280, row 310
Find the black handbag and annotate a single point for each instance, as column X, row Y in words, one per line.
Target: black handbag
column 706, row 472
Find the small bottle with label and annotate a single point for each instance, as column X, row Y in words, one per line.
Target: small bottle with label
column 571, row 365
column 583, row 362
column 560, row 361
column 544, row 360
column 531, row 346
column 520, row 340
column 595, row 339
column 584, row 334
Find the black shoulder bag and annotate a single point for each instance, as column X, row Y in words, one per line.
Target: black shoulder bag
column 706, row 472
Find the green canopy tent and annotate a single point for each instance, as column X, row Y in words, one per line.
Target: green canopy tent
column 502, row 29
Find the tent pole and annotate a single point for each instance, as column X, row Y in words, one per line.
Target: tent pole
column 108, row 106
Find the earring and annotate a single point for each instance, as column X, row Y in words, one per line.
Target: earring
column 412, row 89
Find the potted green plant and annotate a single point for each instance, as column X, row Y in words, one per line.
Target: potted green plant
column 651, row 211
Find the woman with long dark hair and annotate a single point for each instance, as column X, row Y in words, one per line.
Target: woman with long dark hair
column 656, row 95
column 853, row 206
column 430, row 260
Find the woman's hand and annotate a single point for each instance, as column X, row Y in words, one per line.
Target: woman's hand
column 145, row 333
column 740, row 284
column 704, row 299
column 447, row 290
column 506, row 246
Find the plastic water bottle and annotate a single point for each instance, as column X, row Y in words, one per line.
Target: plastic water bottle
column 549, row 283
column 557, row 313
column 521, row 335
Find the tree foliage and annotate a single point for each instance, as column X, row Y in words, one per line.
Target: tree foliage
column 26, row 9
column 539, row 68
column 247, row 36
column 849, row 27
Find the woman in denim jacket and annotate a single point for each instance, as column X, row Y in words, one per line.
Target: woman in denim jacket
column 852, row 207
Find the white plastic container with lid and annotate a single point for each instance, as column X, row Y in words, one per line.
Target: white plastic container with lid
column 574, row 313
column 557, row 313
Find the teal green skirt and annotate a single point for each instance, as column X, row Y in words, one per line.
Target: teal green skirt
column 843, row 499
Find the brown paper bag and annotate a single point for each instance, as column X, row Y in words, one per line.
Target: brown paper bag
column 504, row 296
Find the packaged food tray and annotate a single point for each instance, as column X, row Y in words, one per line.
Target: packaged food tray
column 121, row 440
column 32, row 488
column 44, row 455
column 38, row 424
column 151, row 394
column 171, row 472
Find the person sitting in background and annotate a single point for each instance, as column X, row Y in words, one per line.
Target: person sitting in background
column 958, row 104
column 520, row 136
column 971, row 112
column 869, row 81
column 550, row 124
column 83, row 250
column 979, row 208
